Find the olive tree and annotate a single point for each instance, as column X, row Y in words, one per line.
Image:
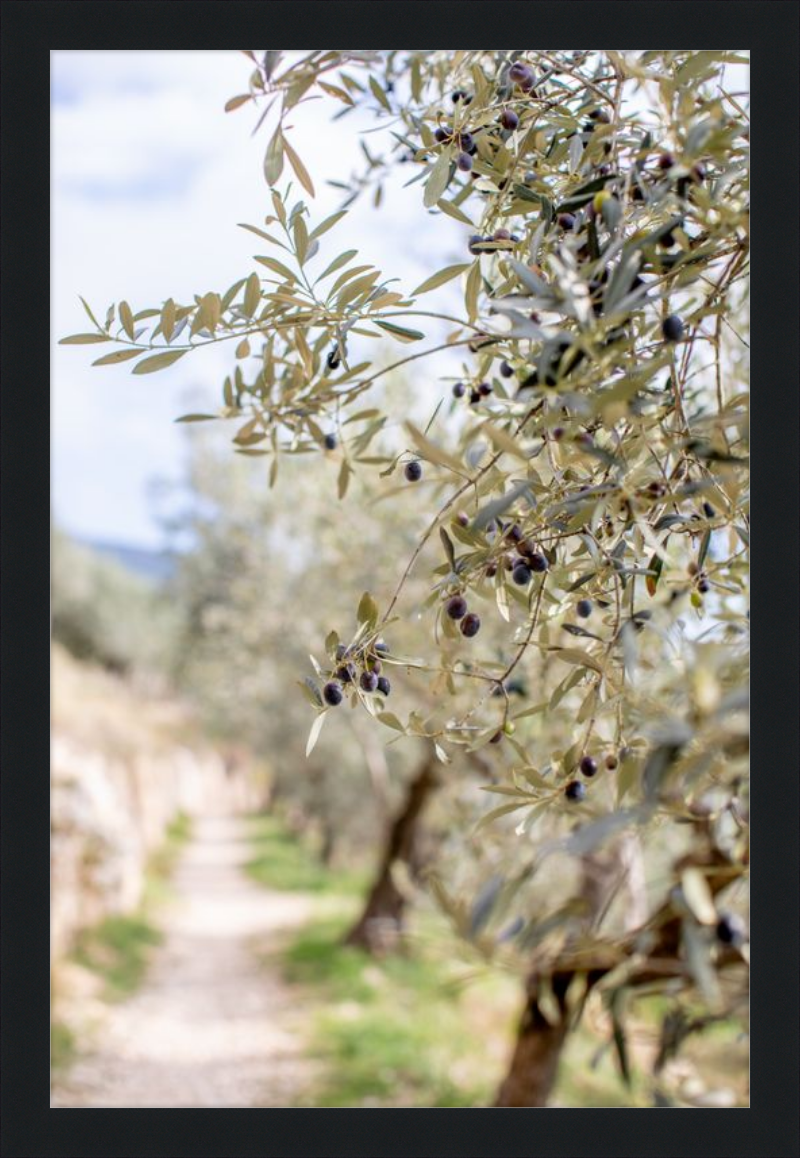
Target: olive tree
column 253, row 592
column 255, row 583
column 585, row 480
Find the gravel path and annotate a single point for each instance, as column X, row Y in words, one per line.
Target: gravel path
column 212, row 1026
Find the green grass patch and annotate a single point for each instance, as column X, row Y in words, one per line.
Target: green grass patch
column 389, row 1032
column 281, row 861
column 394, row 1031
column 162, row 863
column 62, row 1046
column 588, row 1076
column 118, row 948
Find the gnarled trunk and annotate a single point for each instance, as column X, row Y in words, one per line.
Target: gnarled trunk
column 540, row 1040
column 382, row 917
column 534, row 1063
column 533, row 1069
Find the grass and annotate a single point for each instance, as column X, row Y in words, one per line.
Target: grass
column 62, row 1046
column 281, row 861
column 389, row 1032
column 588, row 1076
column 118, row 948
column 404, row 1031
column 162, row 862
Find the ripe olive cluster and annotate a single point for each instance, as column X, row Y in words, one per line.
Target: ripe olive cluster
column 565, row 355
column 469, row 622
column 518, row 81
column 528, row 561
column 479, row 244
column 363, row 668
column 520, row 76
column 577, row 226
column 481, row 390
column 575, row 790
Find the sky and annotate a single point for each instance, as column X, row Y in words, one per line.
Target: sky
column 149, row 178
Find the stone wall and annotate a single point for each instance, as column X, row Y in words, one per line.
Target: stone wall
column 122, row 769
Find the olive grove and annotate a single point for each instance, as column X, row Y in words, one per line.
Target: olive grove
column 562, row 644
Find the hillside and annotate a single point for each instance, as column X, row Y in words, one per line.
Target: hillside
column 155, row 566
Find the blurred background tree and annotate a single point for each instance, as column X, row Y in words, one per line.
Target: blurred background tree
column 104, row 613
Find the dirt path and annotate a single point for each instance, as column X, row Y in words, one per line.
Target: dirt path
column 211, row 1026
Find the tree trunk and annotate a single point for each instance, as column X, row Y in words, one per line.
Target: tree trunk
column 534, row 1063
column 382, row 918
column 540, row 1039
column 328, row 845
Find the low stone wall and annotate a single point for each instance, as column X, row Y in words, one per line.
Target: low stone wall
column 110, row 812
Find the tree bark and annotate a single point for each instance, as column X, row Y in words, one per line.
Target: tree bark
column 382, row 918
column 534, row 1063
column 328, row 844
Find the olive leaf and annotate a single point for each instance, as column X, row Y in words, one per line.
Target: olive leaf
column 438, row 179
column 158, row 361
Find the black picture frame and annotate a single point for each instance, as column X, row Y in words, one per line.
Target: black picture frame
column 28, row 1127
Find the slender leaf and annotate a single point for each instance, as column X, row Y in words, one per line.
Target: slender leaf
column 400, row 332
column 277, row 267
column 158, row 361
column 83, row 339
column 338, row 262
column 438, row 180
column 444, row 275
column 273, row 159
column 237, row 102
column 313, row 735
column 367, row 610
column 299, row 168
column 116, row 357
column 126, row 317
column 327, row 224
